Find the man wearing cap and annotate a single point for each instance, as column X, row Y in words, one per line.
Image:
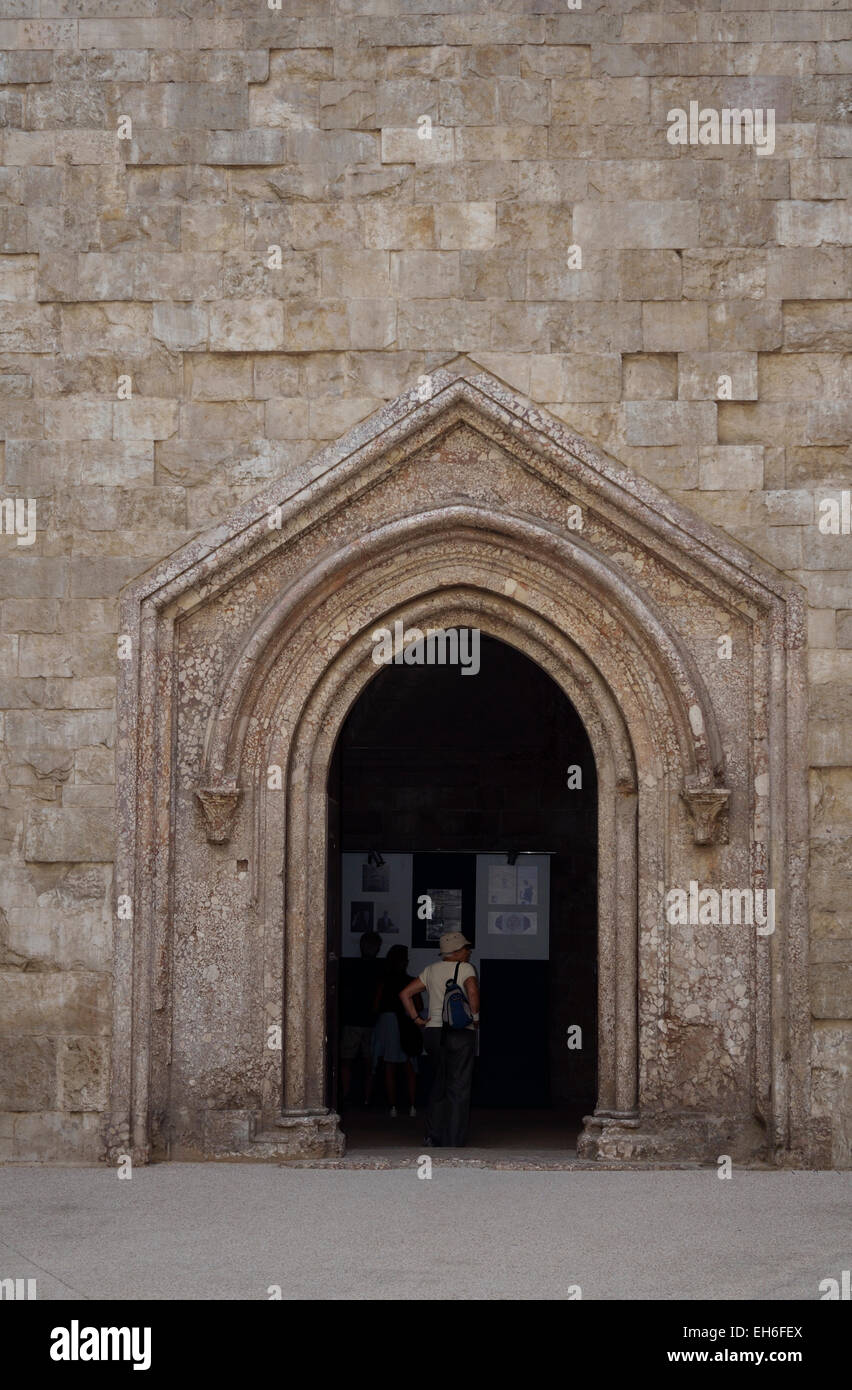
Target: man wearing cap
column 451, row 1049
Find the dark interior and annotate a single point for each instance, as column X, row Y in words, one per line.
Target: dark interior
column 439, row 764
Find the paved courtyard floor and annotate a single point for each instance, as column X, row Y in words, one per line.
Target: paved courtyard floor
column 232, row 1231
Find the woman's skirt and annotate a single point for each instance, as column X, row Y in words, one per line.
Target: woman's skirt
column 386, row 1044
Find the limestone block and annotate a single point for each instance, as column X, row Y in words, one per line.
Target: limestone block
column 121, row 65
column 789, row 506
column 18, row 277
column 597, row 328
column 220, row 378
column 14, row 234
column 54, row 835
column 554, row 60
column 246, row 325
column 29, row 328
column 831, row 987
column 392, row 228
column 511, row 367
column 52, row 1136
column 100, row 579
column 44, row 655
column 51, row 1002
column 433, row 324
column 544, row 226
column 814, row 224
column 501, row 142
column 833, row 141
column 233, row 420
column 593, row 101
column 177, row 275
column 832, row 1063
column 576, row 377
column 649, row 376
column 700, row 374
column 287, row 419
column 598, row 225
column 493, row 274
column 30, row 615
column 828, row 742
column 674, row 327
column 820, row 179
column 337, row 149
column 730, row 466
column 312, row 326
column 728, row 274
column 466, row 226
column 275, row 376
column 208, row 227
column 315, row 225
column 109, row 327
column 29, row 576
column 825, row 327
column 400, row 102
column 83, row 1073
column 828, row 422
column 144, row 418
column 520, row 327
column 332, row 416
column 22, row 420
column 551, row 180
column 821, row 633
column 97, row 692
column 647, row 275
column 424, row 274
column 749, row 90
column 27, row 65
column 669, row 422
column 469, row 102
column 434, row 60
column 805, row 273
column 372, row 323
column 78, row 419
column 28, row 1073
column 404, row 145
column 844, row 627
column 285, row 104
column 803, row 376
column 246, row 275
column 744, row 325
column 355, row 274
column 300, row 63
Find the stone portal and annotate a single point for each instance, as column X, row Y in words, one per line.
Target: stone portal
column 465, row 509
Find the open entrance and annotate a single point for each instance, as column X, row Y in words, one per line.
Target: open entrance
column 477, row 792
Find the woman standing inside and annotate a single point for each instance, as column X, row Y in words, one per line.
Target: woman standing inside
column 396, row 1039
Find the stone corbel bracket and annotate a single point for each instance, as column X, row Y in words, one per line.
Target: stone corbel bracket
column 704, row 805
column 219, row 805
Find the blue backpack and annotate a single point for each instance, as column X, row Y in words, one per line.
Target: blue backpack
column 456, row 1012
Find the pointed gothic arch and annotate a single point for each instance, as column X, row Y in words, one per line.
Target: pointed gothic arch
column 252, row 644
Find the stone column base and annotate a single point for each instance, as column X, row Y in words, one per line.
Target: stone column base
column 688, row 1137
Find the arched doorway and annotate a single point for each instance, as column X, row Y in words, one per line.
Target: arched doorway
column 249, row 648
column 479, row 791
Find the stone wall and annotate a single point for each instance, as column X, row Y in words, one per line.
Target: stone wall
column 153, row 258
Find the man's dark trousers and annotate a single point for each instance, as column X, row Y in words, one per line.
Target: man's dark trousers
column 449, row 1100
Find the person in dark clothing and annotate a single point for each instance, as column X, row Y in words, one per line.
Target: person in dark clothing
column 396, row 1039
column 452, row 1050
column 359, row 981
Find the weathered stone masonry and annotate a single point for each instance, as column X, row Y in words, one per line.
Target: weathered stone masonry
column 425, row 299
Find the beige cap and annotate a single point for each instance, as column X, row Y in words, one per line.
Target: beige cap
column 453, row 941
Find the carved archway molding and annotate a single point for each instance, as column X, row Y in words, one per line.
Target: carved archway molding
column 572, row 603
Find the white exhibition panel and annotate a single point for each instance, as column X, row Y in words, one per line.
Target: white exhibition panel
column 512, row 906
